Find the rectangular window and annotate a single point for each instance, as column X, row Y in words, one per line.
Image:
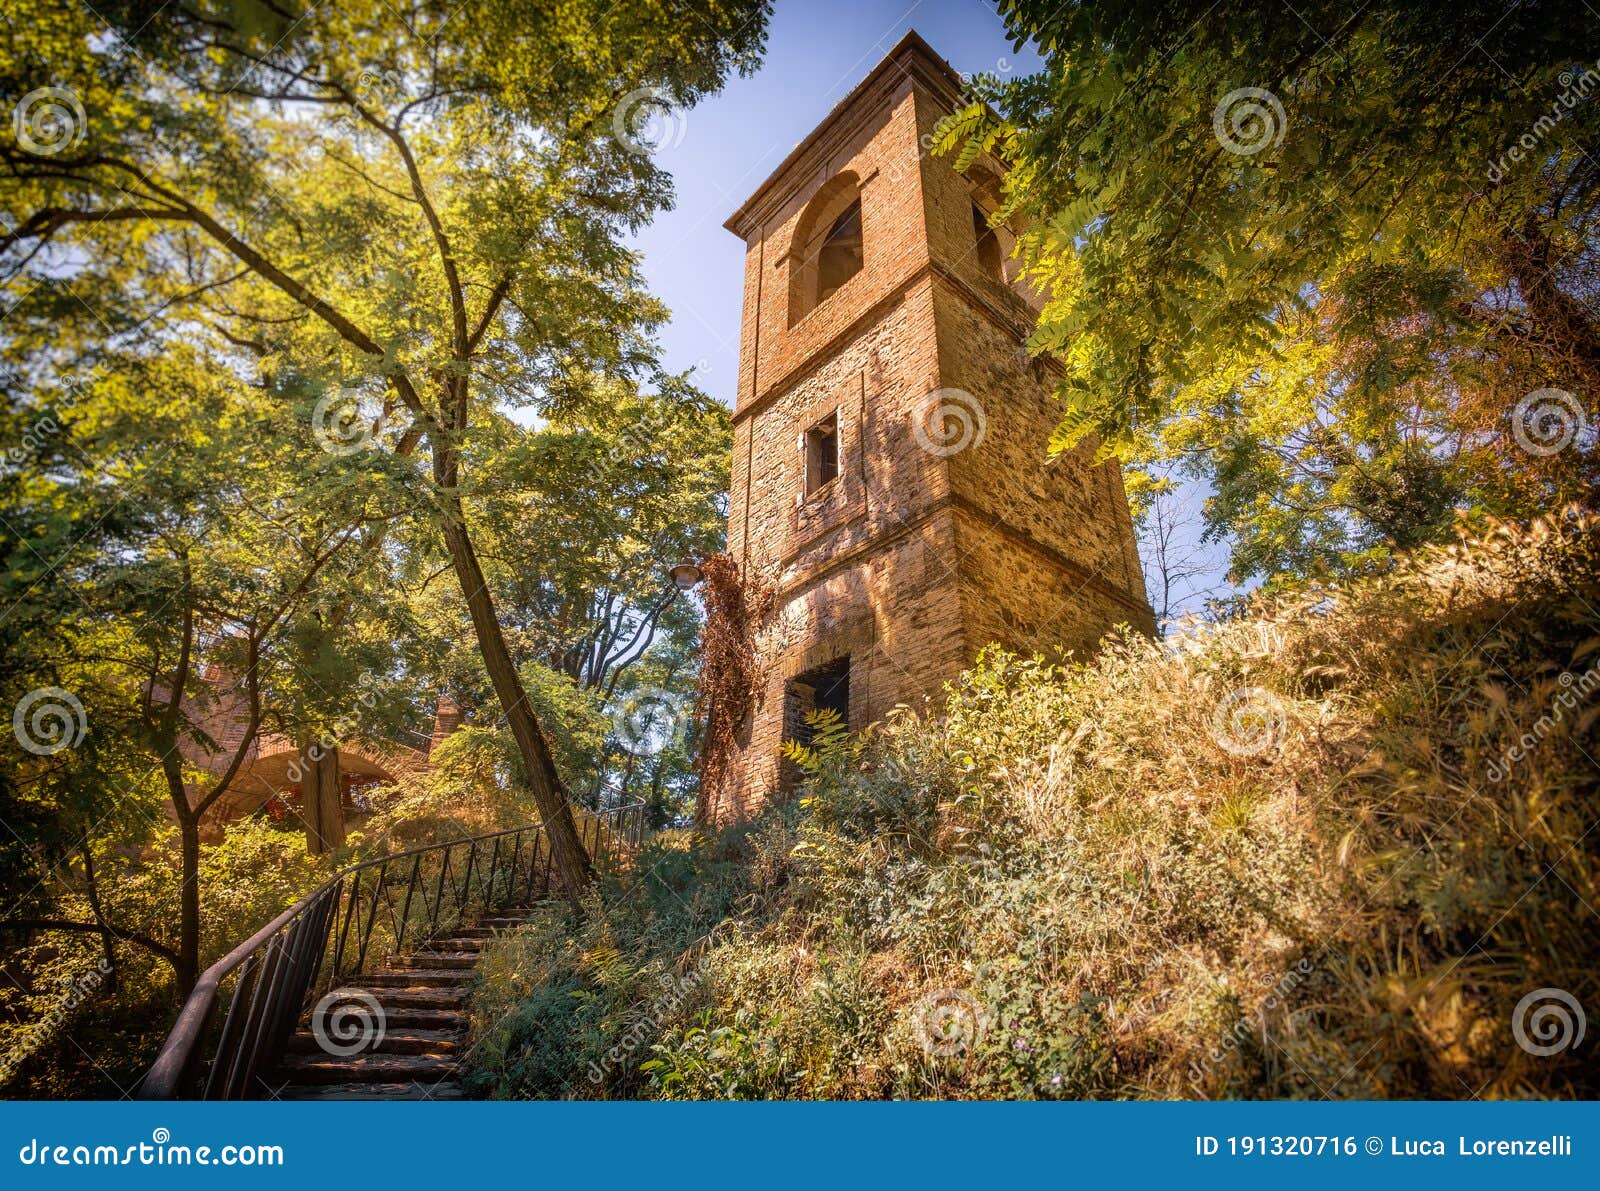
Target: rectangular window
column 822, row 452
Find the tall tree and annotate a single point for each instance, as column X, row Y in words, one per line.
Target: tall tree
column 176, row 617
column 1330, row 260
column 635, row 484
column 413, row 213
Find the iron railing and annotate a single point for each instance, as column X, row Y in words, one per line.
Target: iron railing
column 353, row 921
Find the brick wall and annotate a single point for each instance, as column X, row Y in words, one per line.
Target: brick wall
column 917, row 554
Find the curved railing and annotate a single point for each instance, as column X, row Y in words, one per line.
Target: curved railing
column 354, row 920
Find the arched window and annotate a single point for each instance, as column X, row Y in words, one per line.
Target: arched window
column 828, row 248
column 989, row 257
column 994, row 243
column 839, row 258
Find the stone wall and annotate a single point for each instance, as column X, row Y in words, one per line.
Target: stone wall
column 928, row 544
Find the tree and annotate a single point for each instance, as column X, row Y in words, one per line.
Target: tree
column 408, row 229
column 1172, row 554
column 637, row 483
column 209, row 540
column 1329, row 263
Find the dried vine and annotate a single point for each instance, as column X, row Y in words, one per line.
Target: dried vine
column 736, row 607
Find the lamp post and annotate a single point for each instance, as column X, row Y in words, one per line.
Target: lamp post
column 685, row 575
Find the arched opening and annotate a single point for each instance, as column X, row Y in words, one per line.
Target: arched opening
column 839, row 258
column 993, row 242
column 989, row 257
column 828, row 247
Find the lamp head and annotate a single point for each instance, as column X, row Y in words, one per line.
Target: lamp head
column 685, row 575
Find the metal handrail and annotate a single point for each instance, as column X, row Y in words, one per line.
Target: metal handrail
column 277, row 968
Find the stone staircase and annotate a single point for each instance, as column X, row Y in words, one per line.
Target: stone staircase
column 423, row 996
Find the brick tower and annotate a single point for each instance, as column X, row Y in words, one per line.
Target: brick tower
column 889, row 470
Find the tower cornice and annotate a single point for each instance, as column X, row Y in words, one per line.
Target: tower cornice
column 911, row 59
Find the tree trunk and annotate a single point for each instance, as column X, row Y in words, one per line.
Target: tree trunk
column 555, row 812
column 1564, row 326
column 322, row 798
column 91, row 890
column 189, row 905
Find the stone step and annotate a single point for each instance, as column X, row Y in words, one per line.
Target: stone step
column 417, row 978
column 436, row 960
column 366, row 1068
column 399, row 1017
column 456, row 943
column 424, row 997
column 399, row 999
column 373, row 1091
column 396, row 1041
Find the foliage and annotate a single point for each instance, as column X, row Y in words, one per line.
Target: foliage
column 181, row 550
column 473, row 782
column 737, row 606
column 255, row 870
column 252, row 875
column 1307, row 851
column 303, row 313
column 1316, row 262
column 399, row 237
column 618, row 490
column 571, row 1004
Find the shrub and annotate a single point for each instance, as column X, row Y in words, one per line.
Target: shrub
column 1325, row 847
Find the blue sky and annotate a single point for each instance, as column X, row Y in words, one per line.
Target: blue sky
column 722, row 150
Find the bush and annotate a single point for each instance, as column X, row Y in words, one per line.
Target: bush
column 1326, row 847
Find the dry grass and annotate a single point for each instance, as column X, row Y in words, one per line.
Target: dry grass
column 1139, row 882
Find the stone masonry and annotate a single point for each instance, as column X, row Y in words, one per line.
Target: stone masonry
column 945, row 527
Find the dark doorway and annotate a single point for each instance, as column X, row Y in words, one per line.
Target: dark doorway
column 826, row 686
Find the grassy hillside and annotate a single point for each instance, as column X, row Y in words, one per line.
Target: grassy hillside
column 1326, row 848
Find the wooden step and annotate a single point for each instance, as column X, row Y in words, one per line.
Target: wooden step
column 417, row 978
column 399, row 998
column 437, row 960
column 396, row 1041
column 366, row 1068
column 424, row 1000
column 399, row 1017
column 456, row 943
column 373, row 1091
